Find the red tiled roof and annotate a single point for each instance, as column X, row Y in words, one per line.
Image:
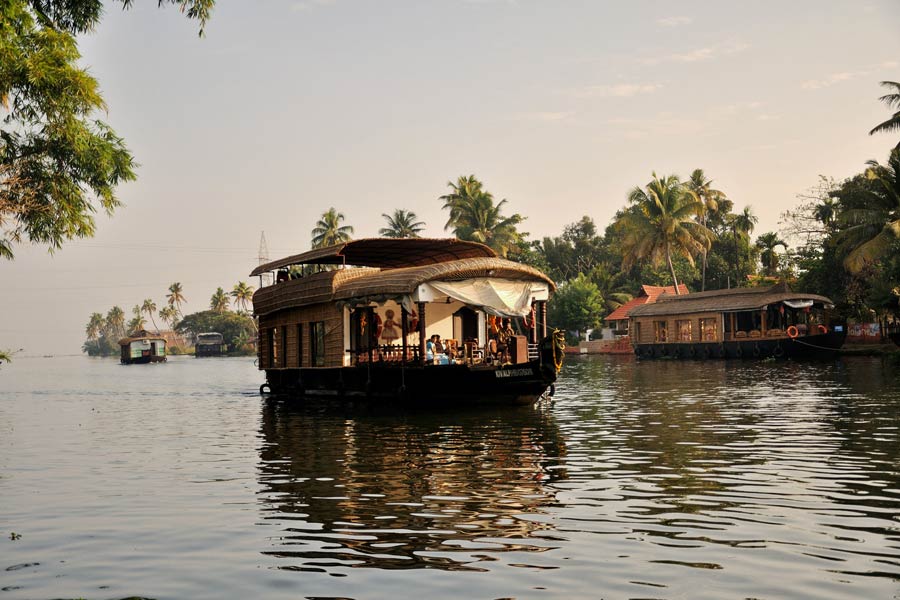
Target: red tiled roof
column 647, row 295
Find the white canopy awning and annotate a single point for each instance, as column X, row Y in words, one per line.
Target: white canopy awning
column 798, row 303
column 500, row 297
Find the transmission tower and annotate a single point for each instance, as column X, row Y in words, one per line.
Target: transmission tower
column 265, row 278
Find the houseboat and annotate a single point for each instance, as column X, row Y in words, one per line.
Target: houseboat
column 209, row 344
column 424, row 320
column 143, row 347
column 737, row 323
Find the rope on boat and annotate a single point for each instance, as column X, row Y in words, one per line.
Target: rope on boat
column 813, row 345
column 559, row 348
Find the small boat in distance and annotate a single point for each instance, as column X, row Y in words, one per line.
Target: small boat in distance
column 419, row 320
column 209, row 344
column 736, row 323
column 143, row 347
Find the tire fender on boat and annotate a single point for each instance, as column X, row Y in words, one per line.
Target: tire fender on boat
column 823, row 330
column 265, row 389
column 792, row 331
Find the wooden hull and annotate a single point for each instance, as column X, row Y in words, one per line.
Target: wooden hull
column 143, row 360
column 895, row 337
column 809, row 346
column 419, row 385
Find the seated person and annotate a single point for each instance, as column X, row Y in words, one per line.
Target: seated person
column 434, row 351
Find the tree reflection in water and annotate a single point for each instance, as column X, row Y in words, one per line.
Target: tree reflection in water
column 354, row 487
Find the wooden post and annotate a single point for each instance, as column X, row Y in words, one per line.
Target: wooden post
column 543, row 319
column 534, row 333
column 762, row 325
column 733, row 324
column 404, row 329
column 421, row 306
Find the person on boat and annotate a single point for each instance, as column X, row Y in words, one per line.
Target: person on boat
column 434, row 351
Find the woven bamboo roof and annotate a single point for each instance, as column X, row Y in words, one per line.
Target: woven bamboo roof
column 143, row 334
column 733, row 300
column 347, row 284
column 385, row 253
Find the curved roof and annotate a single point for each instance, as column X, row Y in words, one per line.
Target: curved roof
column 346, row 284
column 733, row 300
column 385, row 253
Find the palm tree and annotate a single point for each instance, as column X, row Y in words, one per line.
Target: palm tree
column 874, row 229
column 149, row 307
column 826, row 211
column 95, row 326
column 169, row 314
column 742, row 224
column 702, row 188
column 767, row 243
column 659, row 223
column 175, row 297
column 137, row 322
column 402, row 224
column 475, row 217
column 115, row 321
column 329, row 231
column 610, row 283
column 893, row 101
column 219, row 301
column 242, row 294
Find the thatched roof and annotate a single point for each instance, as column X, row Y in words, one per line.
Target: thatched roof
column 347, row 284
column 143, row 334
column 385, row 253
column 733, row 300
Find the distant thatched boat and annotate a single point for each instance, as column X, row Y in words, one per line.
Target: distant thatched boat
column 143, row 347
column 364, row 332
column 209, row 344
column 736, row 323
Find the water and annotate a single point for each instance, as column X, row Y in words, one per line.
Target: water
column 642, row 480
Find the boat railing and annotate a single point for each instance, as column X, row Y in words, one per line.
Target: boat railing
column 533, row 351
column 386, row 353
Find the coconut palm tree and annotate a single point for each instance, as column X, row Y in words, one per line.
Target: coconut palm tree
column 149, row 307
column 767, row 243
column 610, row 283
column 701, row 185
column 402, row 224
column 115, row 322
column 329, row 231
column 137, row 322
column 742, row 225
column 175, row 297
column 95, row 326
column 893, row 101
column 242, row 294
column 659, row 223
column 826, row 211
column 219, row 301
column 169, row 314
column 475, row 217
column 873, row 230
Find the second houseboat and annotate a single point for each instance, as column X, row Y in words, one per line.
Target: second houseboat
column 737, row 323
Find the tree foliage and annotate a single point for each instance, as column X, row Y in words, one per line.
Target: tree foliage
column 235, row 328
column 329, row 231
column 59, row 163
column 577, row 305
column 475, row 217
column 401, row 224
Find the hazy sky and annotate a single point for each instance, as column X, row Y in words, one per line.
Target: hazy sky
column 289, row 107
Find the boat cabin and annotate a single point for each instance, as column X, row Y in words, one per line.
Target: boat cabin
column 411, row 302
column 757, row 321
column 209, row 344
column 143, row 347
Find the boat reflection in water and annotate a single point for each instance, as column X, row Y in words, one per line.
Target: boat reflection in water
column 406, row 491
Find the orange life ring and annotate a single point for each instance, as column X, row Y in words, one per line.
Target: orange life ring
column 793, row 332
column 823, row 329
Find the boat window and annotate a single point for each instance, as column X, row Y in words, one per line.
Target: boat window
column 683, row 330
column 299, row 345
column 709, row 329
column 659, row 331
column 273, row 347
column 317, row 343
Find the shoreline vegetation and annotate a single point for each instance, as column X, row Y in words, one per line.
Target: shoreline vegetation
column 841, row 241
column 237, row 327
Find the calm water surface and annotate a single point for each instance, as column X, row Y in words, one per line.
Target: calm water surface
column 641, row 480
